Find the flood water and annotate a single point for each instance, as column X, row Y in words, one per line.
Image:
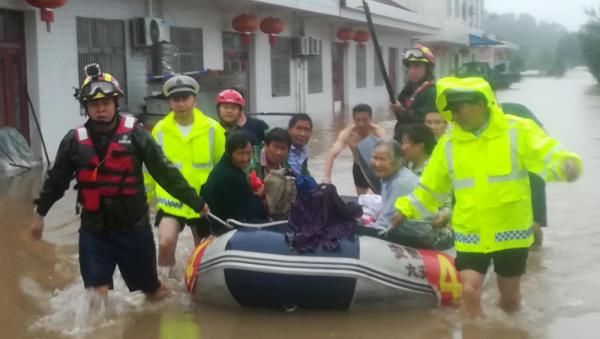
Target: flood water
column 42, row 296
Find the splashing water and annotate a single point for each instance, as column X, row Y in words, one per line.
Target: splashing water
column 74, row 311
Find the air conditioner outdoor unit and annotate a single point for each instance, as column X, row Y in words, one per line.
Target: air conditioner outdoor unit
column 148, row 31
column 301, row 46
column 316, row 45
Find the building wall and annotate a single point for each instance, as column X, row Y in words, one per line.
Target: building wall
column 322, row 103
column 330, row 7
column 446, row 63
column 194, row 13
column 53, row 65
column 52, row 62
column 260, row 77
column 52, row 57
column 454, row 33
column 375, row 95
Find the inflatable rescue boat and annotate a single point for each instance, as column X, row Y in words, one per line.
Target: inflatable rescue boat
column 253, row 266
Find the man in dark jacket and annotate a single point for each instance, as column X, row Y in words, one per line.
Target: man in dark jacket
column 106, row 156
column 417, row 98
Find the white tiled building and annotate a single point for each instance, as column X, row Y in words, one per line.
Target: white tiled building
column 459, row 21
column 49, row 64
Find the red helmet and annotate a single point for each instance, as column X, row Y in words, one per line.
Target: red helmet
column 418, row 54
column 230, row 96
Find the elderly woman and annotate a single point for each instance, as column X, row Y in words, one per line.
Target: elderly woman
column 227, row 190
column 396, row 180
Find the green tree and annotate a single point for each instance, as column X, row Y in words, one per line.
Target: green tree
column 557, row 66
column 517, row 59
column 589, row 35
column 541, row 43
column 570, row 48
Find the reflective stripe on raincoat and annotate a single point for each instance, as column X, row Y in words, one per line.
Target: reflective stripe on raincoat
column 194, row 156
column 488, row 175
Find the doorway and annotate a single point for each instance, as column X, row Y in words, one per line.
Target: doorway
column 13, row 75
column 337, row 67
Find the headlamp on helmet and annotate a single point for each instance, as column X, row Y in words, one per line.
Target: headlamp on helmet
column 92, row 70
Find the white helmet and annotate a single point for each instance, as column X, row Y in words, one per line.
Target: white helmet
column 180, row 85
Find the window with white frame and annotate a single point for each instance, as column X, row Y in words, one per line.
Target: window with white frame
column 190, row 56
column 234, row 54
column 315, row 74
column 102, row 41
column 281, row 56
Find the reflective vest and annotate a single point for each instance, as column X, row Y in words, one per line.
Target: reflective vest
column 410, row 100
column 117, row 174
column 488, row 176
column 194, row 156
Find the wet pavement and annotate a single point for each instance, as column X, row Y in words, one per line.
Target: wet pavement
column 42, row 296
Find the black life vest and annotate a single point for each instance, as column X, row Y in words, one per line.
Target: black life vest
column 117, row 174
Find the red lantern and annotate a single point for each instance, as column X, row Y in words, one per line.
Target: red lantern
column 345, row 34
column 246, row 24
column 361, row 37
column 46, row 7
column 272, row 26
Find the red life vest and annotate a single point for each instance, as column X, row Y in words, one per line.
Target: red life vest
column 117, row 174
column 409, row 101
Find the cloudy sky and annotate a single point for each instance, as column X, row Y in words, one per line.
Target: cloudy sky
column 568, row 13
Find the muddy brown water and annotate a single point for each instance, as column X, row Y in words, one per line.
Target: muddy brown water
column 42, row 296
